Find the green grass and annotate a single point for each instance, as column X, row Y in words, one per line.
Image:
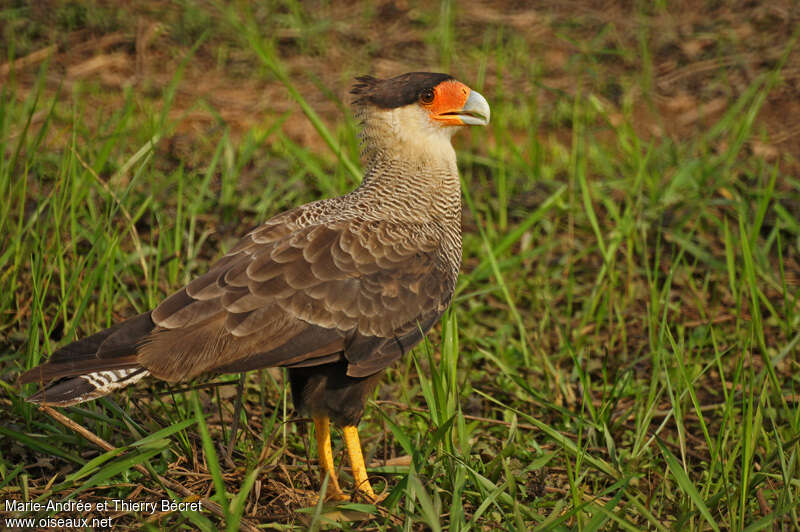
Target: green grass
column 622, row 351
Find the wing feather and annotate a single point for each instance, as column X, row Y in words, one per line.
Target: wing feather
column 292, row 295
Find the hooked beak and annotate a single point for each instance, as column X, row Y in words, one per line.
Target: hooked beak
column 458, row 105
column 475, row 111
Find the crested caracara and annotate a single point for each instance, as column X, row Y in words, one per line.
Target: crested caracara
column 334, row 290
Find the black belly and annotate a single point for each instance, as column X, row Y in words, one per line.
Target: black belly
column 326, row 390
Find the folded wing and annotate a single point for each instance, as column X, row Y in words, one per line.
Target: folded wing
column 298, row 296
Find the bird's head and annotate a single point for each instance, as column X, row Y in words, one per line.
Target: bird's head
column 417, row 111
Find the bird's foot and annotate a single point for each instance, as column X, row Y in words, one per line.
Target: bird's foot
column 364, row 491
column 371, row 497
column 335, row 496
column 360, row 495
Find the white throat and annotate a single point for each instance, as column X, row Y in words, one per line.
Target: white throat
column 409, row 135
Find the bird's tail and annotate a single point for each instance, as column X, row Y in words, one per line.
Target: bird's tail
column 92, row 367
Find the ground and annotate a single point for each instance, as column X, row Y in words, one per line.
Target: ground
column 623, row 349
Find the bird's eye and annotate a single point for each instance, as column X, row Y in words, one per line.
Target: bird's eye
column 427, row 96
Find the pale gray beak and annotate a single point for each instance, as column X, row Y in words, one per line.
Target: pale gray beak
column 476, row 110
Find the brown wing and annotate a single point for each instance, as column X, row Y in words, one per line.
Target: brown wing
column 297, row 296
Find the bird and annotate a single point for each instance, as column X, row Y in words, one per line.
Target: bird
column 335, row 290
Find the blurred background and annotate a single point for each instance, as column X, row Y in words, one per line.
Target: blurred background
column 623, row 347
column 671, row 72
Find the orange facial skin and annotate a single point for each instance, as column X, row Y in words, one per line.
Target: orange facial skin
column 450, row 97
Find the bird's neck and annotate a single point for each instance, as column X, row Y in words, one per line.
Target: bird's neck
column 417, row 189
column 414, row 177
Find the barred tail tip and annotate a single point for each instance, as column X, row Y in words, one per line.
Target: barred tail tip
column 87, row 387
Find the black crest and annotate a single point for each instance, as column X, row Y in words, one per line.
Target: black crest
column 394, row 92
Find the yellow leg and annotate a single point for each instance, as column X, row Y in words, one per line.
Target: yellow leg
column 323, row 432
column 357, row 462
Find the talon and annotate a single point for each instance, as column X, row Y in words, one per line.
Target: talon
column 336, row 496
column 373, row 498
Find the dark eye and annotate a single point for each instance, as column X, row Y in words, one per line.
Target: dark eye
column 426, row 96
